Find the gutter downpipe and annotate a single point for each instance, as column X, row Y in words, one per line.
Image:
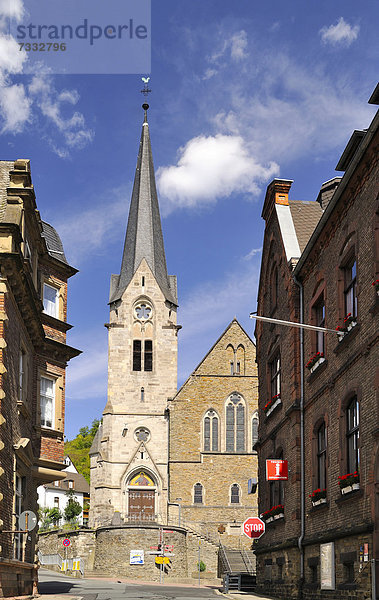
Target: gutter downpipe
column 302, row 440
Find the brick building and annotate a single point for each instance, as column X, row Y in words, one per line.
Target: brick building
column 213, row 428
column 318, row 390
column 33, row 357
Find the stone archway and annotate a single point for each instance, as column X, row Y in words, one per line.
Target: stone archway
column 141, row 497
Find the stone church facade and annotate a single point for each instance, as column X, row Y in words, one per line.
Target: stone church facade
column 156, row 446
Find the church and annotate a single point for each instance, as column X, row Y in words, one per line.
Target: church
column 161, row 456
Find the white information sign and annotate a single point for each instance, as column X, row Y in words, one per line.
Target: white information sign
column 327, row 566
column 137, row 557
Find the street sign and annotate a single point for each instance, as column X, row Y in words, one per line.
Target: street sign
column 66, row 542
column 276, row 469
column 27, row 520
column 254, row 527
column 162, row 560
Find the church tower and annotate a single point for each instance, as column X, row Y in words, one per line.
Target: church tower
column 129, row 456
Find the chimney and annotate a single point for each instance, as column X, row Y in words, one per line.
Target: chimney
column 327, row 190
column 277, row 193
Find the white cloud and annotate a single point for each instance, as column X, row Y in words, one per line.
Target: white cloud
column 210, row 168
column 342, row 33
column 15, row 108
column 238, row 46
column 11, row 9
column 253, row 252
column 87, row 374
column 50, row 102
column 85, row 232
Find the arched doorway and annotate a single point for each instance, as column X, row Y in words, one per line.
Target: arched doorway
column 141, row 491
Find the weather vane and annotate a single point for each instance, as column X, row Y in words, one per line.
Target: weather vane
column 146, row 90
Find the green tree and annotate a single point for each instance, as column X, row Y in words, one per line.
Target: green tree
column 78, row 448
column 73, row 507
column 49, row 516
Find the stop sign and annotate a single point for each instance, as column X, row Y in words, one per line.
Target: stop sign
column 254, row 527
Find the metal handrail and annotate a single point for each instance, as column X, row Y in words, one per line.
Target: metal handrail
column 224, row 557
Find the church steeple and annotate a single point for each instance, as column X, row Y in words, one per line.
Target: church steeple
column 144, row 237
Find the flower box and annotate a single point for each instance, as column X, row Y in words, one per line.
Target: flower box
column 315, row 361
column 272, row 404
column 348, row 482
column 318, row 496
column 318, row 502
column 274, row 513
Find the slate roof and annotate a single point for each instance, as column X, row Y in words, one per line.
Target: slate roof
column 95, row 447
column 144, row 237
column 305, row 216
column 53, row 242
column 80, row 483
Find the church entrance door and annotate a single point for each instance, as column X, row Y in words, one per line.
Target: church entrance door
column 141, row 505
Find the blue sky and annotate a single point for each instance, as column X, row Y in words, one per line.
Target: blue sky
column 242, row 92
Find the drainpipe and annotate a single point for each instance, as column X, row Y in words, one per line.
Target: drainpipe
column 302, row 440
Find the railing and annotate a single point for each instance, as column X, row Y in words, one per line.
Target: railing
column 247, row 561
column 50, row 559
column 64, row 564
column 141, row 518
column 224, row 559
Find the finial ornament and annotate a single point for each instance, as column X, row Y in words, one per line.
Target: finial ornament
column 146, row 90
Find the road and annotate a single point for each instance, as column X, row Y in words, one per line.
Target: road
column 55, row 584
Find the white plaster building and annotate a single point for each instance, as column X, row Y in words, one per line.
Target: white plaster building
column 53, row 495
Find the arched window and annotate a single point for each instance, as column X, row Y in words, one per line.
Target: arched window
column 352, row 435
column 321, row 456
column 235, row 424
column 198, row 493
column 350, row 283
column 254, row 430
column 235, row 494
column 211, row 431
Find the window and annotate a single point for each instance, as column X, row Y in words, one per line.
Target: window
column 148, row 355
column 145, row 361
column 47, row 395
column 51, row 300
column 56, row 483
column 275, row 376
column 254, row 431
column 238, row 368
column 235, row 494
column 235, row 424
column 321, row 457
column 70, row 484
column 142, row 394
column 211, row 431
column 349, row 572
column 350, row 276
column 352, row 435
column 19, row 492
column 22, row 376
column 276, row 489
column 198, row 493
column 231, row 367
column 319, row 310
column 56, row 502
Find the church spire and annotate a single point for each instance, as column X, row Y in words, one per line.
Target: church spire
column 144, row 237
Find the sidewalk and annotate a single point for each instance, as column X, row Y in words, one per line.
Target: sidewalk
column 236, row 595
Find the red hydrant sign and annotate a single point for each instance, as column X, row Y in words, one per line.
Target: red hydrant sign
column 254, row 527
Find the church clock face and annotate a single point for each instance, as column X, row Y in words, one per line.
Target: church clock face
column 143, row 311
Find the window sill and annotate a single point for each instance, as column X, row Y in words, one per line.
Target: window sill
column 317, row 369
column 23, row 409
column 349, row 335
column 279, row 519
column 353, row 494
column 56, row 322
column 51, row 432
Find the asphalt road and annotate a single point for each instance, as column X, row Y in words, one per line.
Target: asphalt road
column 51, row 583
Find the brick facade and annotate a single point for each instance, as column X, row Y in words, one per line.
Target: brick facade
column 335, row 269
column 32, row 345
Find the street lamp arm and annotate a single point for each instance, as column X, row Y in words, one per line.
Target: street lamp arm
column 293, row 324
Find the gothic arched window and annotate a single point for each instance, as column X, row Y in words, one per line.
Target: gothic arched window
column 235, row 494
column 235, row 424
column 211, row 431
column 198, row 493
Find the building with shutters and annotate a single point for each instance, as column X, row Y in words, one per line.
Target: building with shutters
column 318, row 390
column 33, row 357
